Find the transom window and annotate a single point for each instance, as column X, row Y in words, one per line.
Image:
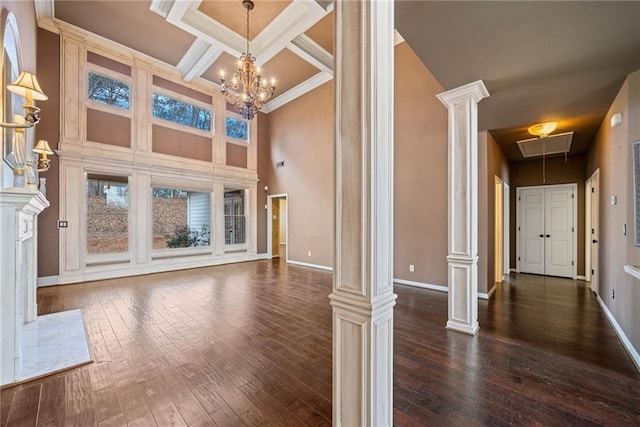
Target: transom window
column 109, row 91
column 237, row 128
column 181, row 112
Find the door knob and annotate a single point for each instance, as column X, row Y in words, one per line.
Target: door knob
column 548, row 235
column 542, row 235
column 594, row 241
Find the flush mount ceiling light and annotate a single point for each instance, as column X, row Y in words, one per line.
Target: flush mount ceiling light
column 247, row 91
column 542, row 129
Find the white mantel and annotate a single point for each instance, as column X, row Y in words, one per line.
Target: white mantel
column 19, row 210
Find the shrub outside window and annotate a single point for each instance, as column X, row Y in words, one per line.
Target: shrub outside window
column 183, row 113
column 109, row 91
column 237, row 128
column 181, row 219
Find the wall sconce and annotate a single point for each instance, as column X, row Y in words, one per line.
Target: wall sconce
column 43, row 149
column 27, row 85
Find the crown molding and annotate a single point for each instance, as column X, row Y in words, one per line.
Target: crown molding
column 297, row 91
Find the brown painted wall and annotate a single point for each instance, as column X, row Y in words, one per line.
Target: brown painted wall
column 420, row 173
column 49, row 129
column 182, row 144
column 301, row 134
column 264, row 172
column 558, row 171
column 108, row 63
column 491, row 163
column 236, row 155
column 612, row 154
column 108, row 128
column 183, row 90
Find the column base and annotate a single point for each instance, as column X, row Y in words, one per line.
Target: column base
column 463, row 327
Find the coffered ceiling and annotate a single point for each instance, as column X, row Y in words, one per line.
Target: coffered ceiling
column 553, row 60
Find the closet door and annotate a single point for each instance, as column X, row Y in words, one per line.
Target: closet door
column 531, row 230
column 559, row 231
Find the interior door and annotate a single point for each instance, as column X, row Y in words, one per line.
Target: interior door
column 531, row 230
column 275, row 227
column 559, row 231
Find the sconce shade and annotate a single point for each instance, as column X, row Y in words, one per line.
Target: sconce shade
column 26, row 84
column 42, row 147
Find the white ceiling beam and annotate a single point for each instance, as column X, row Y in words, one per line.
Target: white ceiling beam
column 202, row 26
column 294, row 20
column 161, row 7
column 397, row 38
column 312, row 52
column 297, row 91
column 200, row 56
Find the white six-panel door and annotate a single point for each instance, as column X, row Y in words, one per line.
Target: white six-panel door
column 546, row 230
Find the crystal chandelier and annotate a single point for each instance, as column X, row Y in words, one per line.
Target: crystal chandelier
column 247, row 91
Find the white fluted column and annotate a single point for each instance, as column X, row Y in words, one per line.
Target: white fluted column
column 363, row 297
column 462, row 260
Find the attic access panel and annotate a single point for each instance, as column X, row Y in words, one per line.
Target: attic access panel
column 553, row 144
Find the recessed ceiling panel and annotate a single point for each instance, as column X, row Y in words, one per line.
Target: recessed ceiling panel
column 322, row 33
column 225, row 62
column 553, row 144
column 129, row 23
column 232, row 15
column 289, row 70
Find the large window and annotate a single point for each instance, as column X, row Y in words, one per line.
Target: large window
column 237, row 128
column 183, row 113
column 234, row 218
column 181, row 219
column 107, row 90
column 107, row 214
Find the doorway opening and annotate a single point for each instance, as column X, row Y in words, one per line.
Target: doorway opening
column 592, row 236
column 499, row 231
column 277, row 226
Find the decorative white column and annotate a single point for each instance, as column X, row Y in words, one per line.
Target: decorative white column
column 462, row 103
column 363, row 297
column 217, row 229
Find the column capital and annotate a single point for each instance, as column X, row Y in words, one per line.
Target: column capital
column 474, row 90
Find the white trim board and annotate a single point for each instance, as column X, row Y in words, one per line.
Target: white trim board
column 306, row 264
column 631, row 350
column 440, row 288
column 262, row 256
column 47, row 281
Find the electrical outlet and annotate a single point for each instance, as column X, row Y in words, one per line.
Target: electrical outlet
column 412, row 268
column 63, row 224
column 309, row 253
column 613, row 294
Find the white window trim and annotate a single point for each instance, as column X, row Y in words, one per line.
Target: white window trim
column 177, row 126
column 107, row 108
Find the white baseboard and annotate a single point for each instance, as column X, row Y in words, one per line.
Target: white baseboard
column 47, row 281
column 306, row 264
column 438, row 288
column 262, row 256
column 633, row 353
column 513, row 270
column 581, row 278
column 487, row 295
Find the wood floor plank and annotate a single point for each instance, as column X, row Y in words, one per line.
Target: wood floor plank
column 250, row 344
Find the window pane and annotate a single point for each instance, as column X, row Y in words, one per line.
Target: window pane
column 180, row 112
column 237, row 129
column 107, row 215
column 108, row 91
column 181, row 219
column 234, row 218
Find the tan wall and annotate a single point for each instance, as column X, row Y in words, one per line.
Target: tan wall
column 49, row 129
column 558, row 171
column 420, row 173
column 612, row 154
column 108, row 128
column 491, row 163
column 182, row 144
column 236, row 155
column 301, row 134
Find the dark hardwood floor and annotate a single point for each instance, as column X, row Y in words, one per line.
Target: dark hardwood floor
column 250, row 344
